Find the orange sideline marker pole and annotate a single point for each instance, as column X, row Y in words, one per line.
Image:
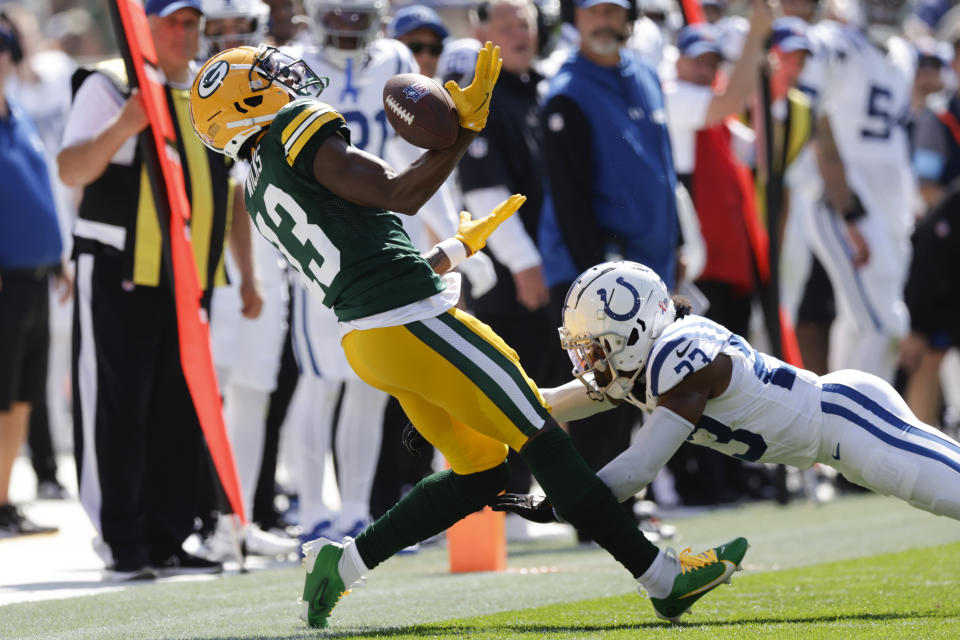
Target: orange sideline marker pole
column 478, row 542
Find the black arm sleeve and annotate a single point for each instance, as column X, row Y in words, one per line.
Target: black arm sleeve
column 568, row 162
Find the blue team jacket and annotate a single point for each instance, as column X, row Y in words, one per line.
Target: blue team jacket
column 634, row 184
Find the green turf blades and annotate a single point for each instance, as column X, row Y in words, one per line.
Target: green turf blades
column 323, row 586
column 717, row 567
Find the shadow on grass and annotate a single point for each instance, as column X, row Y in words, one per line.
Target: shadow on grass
column 442, row 630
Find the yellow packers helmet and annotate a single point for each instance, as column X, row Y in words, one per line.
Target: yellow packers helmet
column 238, row 92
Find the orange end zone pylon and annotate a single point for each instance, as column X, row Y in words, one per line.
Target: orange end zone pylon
column 478, row 542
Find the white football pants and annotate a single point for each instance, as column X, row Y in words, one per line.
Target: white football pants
column 871, row 314
column 871, row 436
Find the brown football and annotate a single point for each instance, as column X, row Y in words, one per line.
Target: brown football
column 421, row 111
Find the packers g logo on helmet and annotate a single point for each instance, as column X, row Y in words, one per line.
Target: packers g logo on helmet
column 213, row 78
column 238, row 92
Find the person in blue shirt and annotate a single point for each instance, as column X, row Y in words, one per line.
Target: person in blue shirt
column 610, row 192
column 30, row 248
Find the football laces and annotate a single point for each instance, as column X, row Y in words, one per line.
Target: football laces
column 398, row 109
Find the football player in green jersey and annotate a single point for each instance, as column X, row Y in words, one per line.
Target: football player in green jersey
column 327, row 206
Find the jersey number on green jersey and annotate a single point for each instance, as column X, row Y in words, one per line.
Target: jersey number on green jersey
column 316, row 257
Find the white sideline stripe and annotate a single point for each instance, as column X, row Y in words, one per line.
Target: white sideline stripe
column 491, row 368
column 303, row 126
column 90, row 494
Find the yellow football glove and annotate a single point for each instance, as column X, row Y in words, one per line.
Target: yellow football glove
column 474, row 233
column 473, row 103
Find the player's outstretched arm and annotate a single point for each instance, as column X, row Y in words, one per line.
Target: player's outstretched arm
column 571, row 401
column 471, row 235
column 678, row 411
column 364, row 179
column 473, row 102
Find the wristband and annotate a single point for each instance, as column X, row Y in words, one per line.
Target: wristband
column 855, row 211
column 454, row 250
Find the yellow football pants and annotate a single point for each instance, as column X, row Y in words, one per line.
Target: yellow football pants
column 459, row 383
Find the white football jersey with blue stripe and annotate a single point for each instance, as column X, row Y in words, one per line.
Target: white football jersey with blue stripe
column 770, row 411
column 866, row 91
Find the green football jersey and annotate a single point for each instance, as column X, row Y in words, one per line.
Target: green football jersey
column 359, row 259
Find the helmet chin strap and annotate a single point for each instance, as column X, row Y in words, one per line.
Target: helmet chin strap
column 621, row 388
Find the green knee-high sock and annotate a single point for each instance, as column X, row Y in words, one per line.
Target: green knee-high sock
column 435, row 503
column 581, row 498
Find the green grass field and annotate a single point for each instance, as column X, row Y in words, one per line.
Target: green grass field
column 859, row 567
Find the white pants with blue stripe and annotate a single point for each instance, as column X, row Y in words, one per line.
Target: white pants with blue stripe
column 871, row 314
column 871, row 436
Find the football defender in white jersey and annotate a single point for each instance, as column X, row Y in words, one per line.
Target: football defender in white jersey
column 348, row 48
column 861, row 76
column 702, row 384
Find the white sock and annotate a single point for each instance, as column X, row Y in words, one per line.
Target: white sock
column 659, row 577
column 351, row 565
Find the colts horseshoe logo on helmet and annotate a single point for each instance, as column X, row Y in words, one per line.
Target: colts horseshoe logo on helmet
column 606, row 302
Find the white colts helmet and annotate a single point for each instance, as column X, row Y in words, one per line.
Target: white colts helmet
column 612, row 314
column 247, row 24
column 345, row 28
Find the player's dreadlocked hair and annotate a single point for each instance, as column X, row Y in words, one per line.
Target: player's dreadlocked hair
column 682, row 305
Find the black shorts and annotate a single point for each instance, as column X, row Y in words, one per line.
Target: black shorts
column 817, row 305
column 24, row 336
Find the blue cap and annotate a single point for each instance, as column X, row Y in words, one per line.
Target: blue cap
column 413, row 17
column 697, row 39
column 586, row 4
column 790, row 34
column 163, row 8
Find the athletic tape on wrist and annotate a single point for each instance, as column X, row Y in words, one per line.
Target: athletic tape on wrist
column 454, row 250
